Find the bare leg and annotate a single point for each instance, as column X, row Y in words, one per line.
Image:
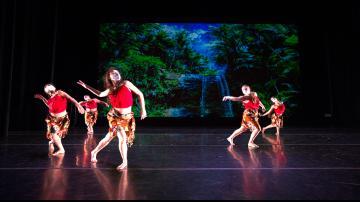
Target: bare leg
column 235, row 134
column 277, row 131
column 267, row 127
column 57, row 140
column 123, row 149
column 88, row 128
column 102, row 144
column 254, row 133
column 51, row 147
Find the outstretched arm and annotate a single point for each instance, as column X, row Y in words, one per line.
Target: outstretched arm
column 80, row 108
column 268, row 112
column 140, row 96
column 93, row 90
column 40, row 97
column 236, row 99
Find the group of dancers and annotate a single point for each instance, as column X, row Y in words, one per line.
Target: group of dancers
column 250, row 118
column 121, row 118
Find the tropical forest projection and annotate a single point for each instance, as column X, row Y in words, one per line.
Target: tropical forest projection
column 184, row 69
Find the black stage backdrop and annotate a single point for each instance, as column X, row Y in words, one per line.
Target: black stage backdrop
column 57, row 41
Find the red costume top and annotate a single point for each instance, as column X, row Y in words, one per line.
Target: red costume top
column 57, row 104
column 121, row 98
column 254, row 105
column 279, row 110
column 90, row 104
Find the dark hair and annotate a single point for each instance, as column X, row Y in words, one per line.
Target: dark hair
column 108, row 84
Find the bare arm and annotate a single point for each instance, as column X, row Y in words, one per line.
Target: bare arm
column 260, row 103
column 40, row 97
column 236, row 99
column 93, row 90
column 80, row 108
column 268, row 112
column 140, row 96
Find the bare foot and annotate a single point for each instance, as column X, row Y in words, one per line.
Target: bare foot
column 253, row 146
column 122, row 166
column 58, row 153
column 93, row 157
column 230, row 141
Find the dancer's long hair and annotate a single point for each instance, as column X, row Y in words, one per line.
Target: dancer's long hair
column 108, row 84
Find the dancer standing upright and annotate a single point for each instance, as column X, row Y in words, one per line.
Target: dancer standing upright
column 91, row 112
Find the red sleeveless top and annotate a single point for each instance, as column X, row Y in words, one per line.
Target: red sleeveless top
column 280, row 109
column 90, row 104
column 57, row 104
column 252, row 105
column 121, row 98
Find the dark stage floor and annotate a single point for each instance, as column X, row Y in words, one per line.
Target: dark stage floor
column 186, row 163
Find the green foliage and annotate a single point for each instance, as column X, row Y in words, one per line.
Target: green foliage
column 154, row 59
column 151, row 58
column 261, row 46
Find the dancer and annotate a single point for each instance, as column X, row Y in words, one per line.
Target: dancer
column 250, row 117
column 91, row 112
column 277, row 117
column 120, row 117
column 57, row 121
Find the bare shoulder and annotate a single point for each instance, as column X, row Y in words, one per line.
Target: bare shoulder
column 61, row 93
column 127, row 82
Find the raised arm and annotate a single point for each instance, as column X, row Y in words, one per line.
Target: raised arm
column 140, row 96
column 42, row 98
column 93, row 90
column 80, row 108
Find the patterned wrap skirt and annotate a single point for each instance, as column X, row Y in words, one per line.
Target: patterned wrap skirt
column 91, row 117
column 250, row 119
column 59, row 125
column 277, row 120
column 119, row 121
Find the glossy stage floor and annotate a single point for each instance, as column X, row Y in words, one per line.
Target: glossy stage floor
column 186, row 163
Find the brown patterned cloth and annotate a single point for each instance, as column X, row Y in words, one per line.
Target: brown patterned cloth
column 59, row 125
column 91, row 117
column 119, row 121
column 250, row 119
column 277, row 120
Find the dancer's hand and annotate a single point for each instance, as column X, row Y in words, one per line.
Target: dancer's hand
column 263, row 109
column 81, row 83
column 226, row 98
column 38, row 96
column 143, row 115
